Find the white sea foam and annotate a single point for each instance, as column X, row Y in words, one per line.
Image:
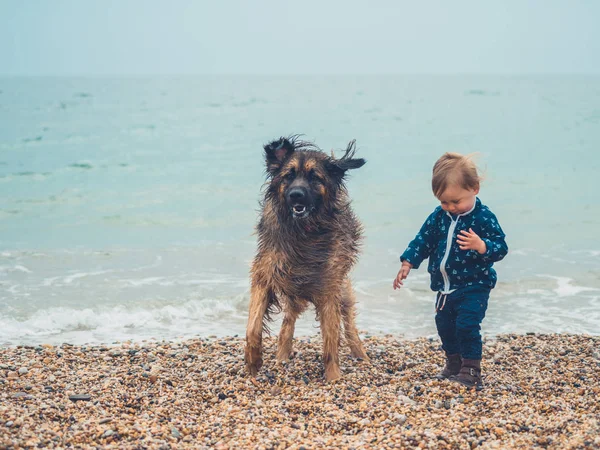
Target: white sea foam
column 70, row 278
column 589, row 252
column 521, row 251
column 16, row 268
column 55, row 325
column 144, row 281
column 565, row 287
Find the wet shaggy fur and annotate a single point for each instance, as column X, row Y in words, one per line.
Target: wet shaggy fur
column 308, row 240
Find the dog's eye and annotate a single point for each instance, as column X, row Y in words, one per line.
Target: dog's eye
column 290, row 175
column 313, row 177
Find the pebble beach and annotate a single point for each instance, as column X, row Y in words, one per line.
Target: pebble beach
column 541, row 391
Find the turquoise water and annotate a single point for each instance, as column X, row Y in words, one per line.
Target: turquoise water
column 127, row 206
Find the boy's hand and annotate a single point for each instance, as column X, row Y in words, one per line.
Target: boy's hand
column 468, row 240
column 402, row 274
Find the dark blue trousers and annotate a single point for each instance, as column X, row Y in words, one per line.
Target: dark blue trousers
column 458, row 320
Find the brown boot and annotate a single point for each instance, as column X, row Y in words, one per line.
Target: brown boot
column 470, row 374
column 452, row 367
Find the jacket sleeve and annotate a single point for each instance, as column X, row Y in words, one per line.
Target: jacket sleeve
column 493, row 236
column 421, row 247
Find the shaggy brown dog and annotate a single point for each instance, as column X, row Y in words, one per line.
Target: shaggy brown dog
column 308, row 240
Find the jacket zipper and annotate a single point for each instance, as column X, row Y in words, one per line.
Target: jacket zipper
column 451, row 229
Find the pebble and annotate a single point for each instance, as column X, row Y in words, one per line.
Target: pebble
column 275, row 390
column 205, row 400
column 23, row 395
column 79, row 397
column 400, row 418
column 404, row 400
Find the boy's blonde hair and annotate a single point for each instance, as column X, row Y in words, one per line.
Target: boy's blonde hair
column 454, row 169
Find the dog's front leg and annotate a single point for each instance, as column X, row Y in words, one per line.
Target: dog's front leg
column 284, row 344
column 259, row 302
column 330, row 318
column 349, row 318
column 286, row 334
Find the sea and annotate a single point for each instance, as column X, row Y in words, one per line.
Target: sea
column 128, row 204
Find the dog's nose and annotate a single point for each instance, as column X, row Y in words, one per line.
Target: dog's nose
column 297, row 194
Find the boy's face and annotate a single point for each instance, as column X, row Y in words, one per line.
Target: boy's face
column 457, row 200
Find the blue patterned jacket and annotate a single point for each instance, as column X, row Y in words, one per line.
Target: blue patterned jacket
column 449, row 266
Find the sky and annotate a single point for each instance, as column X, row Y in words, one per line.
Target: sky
column 131, row 37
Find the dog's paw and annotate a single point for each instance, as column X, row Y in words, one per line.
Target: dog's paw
column 360, row 354
column 252, row 370
column 283, row 356
column 332, row 373
column 363, row 359
column 253, row 360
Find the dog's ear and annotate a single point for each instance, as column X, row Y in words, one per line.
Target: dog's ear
column 338, row 167
column 276, row 152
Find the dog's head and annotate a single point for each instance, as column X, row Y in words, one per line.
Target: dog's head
column 303, row 179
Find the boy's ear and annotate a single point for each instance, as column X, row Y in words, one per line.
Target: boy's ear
column 338, row 167
column 276, row 152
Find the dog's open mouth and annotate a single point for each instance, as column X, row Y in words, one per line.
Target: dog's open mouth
column 299, row 210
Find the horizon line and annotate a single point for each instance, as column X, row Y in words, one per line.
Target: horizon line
column 325, row 74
